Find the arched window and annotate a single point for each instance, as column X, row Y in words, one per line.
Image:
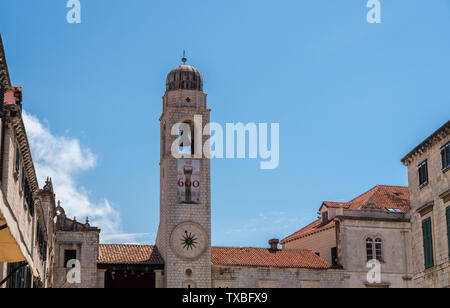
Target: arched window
column 187, row 147
column 369, row 249
column 374, row 249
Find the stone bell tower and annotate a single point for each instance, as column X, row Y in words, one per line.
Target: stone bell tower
column 184, row 235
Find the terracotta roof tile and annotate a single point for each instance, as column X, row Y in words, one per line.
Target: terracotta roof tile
column 386, row 197
column 309, row 229
column 140, row 254
column 264, row 257
column 395, row 197
column 335, row 205
column 129, row 254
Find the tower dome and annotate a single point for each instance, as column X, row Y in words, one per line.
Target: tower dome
column 184, row 77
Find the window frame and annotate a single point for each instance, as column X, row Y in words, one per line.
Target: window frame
column 425, row 181
column 372, row 251
column 428, row 246
column 67, row 257
column 17, row 159
column 379, row 251
column 445, row 157
column 325, row 218
column 369, row 247
column 189, row 149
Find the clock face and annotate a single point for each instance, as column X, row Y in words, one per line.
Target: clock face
column 189, row 241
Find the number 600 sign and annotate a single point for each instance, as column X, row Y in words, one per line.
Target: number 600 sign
column 182, row 183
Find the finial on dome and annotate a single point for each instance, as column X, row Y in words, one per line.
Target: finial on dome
column 184, row 59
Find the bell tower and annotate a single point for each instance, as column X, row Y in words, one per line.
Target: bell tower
column 184, row 234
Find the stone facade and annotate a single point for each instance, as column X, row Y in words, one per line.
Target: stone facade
column 394, row 231
column 181, row 105
column 83, row 241
column 430, row 200
column 26, row 234
column 341, row 232
column 272, row 277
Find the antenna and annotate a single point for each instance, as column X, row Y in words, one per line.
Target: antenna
column 184, row 59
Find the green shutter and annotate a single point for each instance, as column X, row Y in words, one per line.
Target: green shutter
column 428, row 243
column 448, row 229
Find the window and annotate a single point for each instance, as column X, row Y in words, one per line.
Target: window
column 379, row 249
column 445, row 154
column 17, row 160
column 334, row 256
column 23, row 177
column 374, row 249
column 390, row 210
column 21, row 279
column 29, row 197
column 369, row 249
column 69, row 255
column 423, row 174
column 42, row 243
column 325, row 217
column 186, row 147
column 448, row 229
column 428, row 243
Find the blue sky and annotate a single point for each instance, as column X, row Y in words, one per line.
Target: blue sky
column 352, row 98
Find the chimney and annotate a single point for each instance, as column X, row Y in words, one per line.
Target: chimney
column 274, row 244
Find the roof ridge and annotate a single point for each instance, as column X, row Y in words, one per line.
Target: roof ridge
column 262, row 248
column 129, row 245
column 399, row 186
column 372, row 190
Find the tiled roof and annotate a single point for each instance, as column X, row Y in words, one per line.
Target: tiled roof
column 141, row 254
column 264, row 257
column 385, row 197
column 394, row 197
column 129, row 254
column 316, row 226
column 336, row 205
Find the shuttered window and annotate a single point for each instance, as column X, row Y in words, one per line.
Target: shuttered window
column 445, row 154
column 42, row 243
column 423, row 174
column 21, row 279
column 17, row 160
column 334, row 256
column 428, row 243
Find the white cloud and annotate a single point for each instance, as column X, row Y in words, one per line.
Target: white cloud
column 61, row 158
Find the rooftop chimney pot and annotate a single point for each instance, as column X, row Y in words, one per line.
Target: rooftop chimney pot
column 274, row 244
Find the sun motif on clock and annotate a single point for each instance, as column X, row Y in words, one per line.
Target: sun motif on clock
column 189, row 241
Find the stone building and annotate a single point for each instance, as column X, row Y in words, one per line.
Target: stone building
column 429, row 186
column 26, row 238
column 41, row 247
column 76, row 242
column 375, row 225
